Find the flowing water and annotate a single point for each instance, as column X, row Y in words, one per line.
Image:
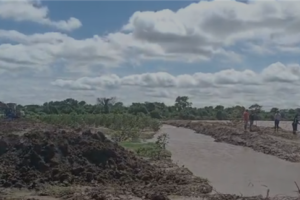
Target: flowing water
column 232, row 169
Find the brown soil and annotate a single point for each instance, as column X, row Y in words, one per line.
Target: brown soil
column 51, row 157
column 286, row 134
column 262, row 139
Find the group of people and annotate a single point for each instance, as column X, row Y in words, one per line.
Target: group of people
column 250, row 117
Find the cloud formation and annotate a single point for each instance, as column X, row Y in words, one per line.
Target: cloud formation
column 33, row 11
column 230, row 86
column 199, row 32
column 205, row 28
column 273, row 74
column 208, row 31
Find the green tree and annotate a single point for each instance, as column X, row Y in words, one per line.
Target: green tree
column 219, row 115
column 274, row 110
column 182, row 109
column 255, row 107
column 106, row 103
column 182, row 102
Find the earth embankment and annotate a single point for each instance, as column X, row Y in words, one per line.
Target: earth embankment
column 37, row 159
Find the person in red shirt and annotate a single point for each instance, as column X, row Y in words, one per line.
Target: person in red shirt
column 246, row 119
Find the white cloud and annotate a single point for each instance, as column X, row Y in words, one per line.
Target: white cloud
column 201, row 29
column 33, row 11
column 224, row 87
column 44, row 50
column 278, row 72
column 86, row 83
column 199, row 32
column 225, row 31
column 274, row 73
column 73, row 85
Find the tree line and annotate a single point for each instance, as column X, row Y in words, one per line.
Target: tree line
column 182, row 109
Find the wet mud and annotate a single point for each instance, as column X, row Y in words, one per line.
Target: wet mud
column 261, row 139
column 39, row 159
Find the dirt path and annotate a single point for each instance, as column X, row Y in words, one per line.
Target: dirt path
column 231, row 169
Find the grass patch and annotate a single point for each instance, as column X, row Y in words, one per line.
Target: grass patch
column 134, row 146
column 148, row 149
column 146, row 135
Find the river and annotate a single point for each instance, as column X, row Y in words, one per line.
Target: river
column 232, row 169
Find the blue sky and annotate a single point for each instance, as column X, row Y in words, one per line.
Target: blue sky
column 102, row 17
column 225, row 50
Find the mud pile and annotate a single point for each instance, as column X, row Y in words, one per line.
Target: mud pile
column 258, row 141
column 65, row 158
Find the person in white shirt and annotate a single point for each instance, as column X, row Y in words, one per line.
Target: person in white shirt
column 277, row 118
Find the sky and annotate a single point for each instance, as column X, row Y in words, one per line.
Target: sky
column 216, row 52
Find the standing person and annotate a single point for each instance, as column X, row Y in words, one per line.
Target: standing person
column 295, row 124
column 251, row 119
column 277, row 118
column 246, row 119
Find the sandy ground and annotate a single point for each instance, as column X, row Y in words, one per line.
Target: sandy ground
column 287, row 125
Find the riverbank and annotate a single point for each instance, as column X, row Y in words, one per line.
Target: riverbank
column 282, row 145
column 232, row 169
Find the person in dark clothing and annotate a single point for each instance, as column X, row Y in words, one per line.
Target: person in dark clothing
column 295, row 124
column 277, row 118
column 251, row 119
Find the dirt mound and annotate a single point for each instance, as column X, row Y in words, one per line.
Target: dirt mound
column 67, row 158
column 258, row 141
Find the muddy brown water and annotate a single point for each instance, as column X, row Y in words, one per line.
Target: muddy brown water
column 232, row 169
